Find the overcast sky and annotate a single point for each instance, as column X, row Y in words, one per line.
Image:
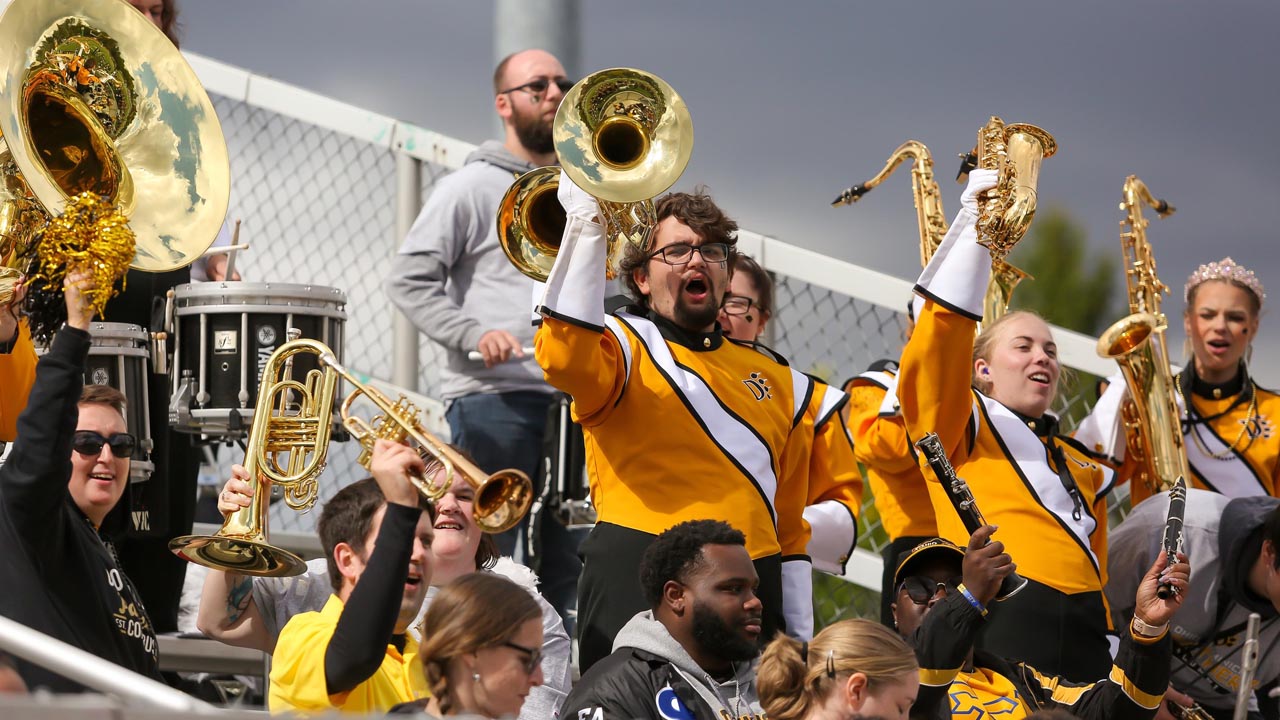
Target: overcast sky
column 793, row 101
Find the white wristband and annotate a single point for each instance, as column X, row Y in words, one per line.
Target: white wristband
column 1147, row 630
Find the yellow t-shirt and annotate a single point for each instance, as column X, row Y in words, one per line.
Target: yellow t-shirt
column 984, row 695
column 297, row 670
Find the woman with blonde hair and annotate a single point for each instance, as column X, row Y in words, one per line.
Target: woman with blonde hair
column 481, row 648
column 987, row 396
column 856, row 667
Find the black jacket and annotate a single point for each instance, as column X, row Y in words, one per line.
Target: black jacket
column 57, row 573
column 1131, row 692
column 650, row 675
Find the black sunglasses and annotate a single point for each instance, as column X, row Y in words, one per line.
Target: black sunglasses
column 533, row 656
column 89, row 443
column 539, row 86
column 922, row 589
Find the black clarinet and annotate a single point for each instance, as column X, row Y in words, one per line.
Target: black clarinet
column 1172, row 542
column 962, row 499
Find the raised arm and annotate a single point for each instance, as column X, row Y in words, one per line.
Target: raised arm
column 933, row 385
column 228, row 611
column 578, row 353
column 33, row 482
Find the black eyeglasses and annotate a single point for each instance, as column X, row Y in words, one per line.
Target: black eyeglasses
column 682, row 253
column 89, row 443
column 539, row 86
column 922, row 589
column 533, row 656
column 737, row 304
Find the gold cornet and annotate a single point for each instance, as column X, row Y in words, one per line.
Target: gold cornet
column 298, row 428
column 622, row 135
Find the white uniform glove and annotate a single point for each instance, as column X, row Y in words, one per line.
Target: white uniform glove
column 979, row 180
column 575, row 201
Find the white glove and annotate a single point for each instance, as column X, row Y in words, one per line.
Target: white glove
column 575, row 201
column 979, row 180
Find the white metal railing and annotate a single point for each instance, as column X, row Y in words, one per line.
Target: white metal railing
column 94, row 672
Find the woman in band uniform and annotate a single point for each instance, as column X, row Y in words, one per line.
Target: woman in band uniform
column 990, row 410
column 1228, row 432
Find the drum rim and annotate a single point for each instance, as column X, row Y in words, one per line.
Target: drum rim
column 118, row 331
column 258, row 290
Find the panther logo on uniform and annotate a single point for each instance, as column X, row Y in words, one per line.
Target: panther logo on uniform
column 966, row 704
column 759, row 386
column 1258, row 426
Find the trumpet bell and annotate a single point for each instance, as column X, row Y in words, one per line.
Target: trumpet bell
column 502, row 500
column 95, row 97
column 531, row 222
column 623, row 135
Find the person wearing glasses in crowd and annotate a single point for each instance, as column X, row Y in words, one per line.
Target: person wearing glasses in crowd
column 679, row 424
column 835, row 485
column 691, row 654
column 453, row 280
column 941, row 592
column 67, row 470
column 482, row 649
column 250, row 612
column 987, row 396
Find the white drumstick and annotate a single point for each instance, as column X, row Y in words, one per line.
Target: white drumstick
column 476, row 356
column 224, row 249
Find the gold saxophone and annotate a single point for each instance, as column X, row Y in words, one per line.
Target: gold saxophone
column 1153, row 430
column 933, row 223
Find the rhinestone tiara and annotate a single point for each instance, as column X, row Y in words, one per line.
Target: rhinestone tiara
column 1224, row 269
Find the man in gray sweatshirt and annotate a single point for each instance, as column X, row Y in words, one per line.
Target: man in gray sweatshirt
column 1232, row 546
column 455, row 283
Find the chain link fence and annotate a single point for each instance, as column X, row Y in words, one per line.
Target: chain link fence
column 319, row 206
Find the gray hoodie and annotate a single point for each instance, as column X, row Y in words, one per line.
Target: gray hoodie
column 736, row 696
column 1223, row 538
column 455, row 283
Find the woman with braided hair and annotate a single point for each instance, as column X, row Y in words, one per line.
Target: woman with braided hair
column 481, row 648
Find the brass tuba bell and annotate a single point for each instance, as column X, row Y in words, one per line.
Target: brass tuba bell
column 622, row 135
column 93, row 97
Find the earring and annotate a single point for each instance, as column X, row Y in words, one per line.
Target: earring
column 475, row 677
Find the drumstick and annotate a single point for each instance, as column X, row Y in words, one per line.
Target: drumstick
column 229, row 272
column 224, row 250
column 475, row 354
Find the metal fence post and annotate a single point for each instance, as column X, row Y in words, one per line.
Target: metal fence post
column 404, row 341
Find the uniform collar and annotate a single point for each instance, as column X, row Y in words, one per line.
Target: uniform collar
column 696, row 341
column 1044, row 426
column 1215, row 391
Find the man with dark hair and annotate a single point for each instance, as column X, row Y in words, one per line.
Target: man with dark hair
column 1234, row 548
column 835, row 484
column 355, row 654
column 679, row 424
column 453, row 280
column 691, row 654
column 943, row 595
column 58, row 570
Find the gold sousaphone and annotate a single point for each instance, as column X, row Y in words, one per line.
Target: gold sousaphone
column 622, row 135
column 93, row 97
column 288, row 446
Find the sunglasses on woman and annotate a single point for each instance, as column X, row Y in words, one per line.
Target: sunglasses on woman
column 532, row 656
column 922, row 589
column 89, row 443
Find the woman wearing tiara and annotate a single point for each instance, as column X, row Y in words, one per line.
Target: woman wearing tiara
column 1228, row 421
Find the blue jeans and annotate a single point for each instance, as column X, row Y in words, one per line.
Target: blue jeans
column 506, row 431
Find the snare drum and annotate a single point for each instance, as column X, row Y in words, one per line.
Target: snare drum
column 119, row 357
column 223, row 334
